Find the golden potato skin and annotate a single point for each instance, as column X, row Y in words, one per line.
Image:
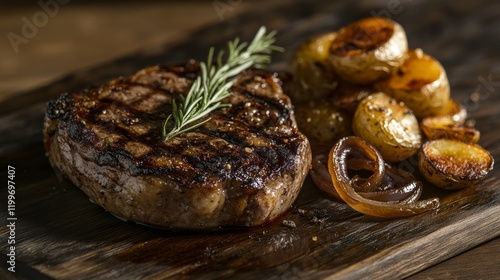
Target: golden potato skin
column 368, row 50
column 421, row 83
column 313, row 73
column 445, row 127
column 388, row 125
column 322, row 123
column 452, row 164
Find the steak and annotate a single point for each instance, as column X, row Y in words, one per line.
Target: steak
column 242, row 168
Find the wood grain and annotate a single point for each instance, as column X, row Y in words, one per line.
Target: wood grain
column 62, row 235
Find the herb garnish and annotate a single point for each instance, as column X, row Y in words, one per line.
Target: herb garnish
column 213, row 83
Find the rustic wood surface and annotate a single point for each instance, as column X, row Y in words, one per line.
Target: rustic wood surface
column 62, row 235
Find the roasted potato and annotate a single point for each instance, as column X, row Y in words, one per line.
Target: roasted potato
column 321, row 122
column 444, row 127
column 388, row 125
column 452, row 164
column 421, row 83
column 313, row 73
column 368, row 50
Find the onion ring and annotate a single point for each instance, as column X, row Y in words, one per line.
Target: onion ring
column 394, row 187
column 407, row 194
column 348, row 189
column 321, row 178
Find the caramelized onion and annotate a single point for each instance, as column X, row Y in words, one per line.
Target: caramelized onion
column 394, row 187
column 393, row 196
column 405, row 194
column 322, row 179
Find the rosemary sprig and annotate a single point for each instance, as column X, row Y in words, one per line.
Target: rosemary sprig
column 213, row 83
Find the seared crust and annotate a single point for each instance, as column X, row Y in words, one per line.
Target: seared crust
column 244, row 167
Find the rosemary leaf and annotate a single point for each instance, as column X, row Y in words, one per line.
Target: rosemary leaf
column 213, row 83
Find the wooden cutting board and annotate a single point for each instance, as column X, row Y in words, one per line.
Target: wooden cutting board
column 61, row 234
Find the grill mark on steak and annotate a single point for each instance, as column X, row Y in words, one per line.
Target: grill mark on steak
column 118, row 125
column 116, row 99
column 260, row 105
column 278, row 105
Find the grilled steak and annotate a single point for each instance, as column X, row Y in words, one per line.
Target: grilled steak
column 244, row 167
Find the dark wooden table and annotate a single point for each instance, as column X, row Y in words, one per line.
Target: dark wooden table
column 463, row 35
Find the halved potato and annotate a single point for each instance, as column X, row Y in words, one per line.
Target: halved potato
column 452, row 164
column 444, row 127
column 313, row 73
column 421, row 83
column 368, row 50
column 321, row 122
column 388, row 125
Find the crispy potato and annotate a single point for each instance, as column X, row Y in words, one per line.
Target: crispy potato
column 421, row 83
column 445, row 127
column 313, row 73
column 388, row 125
column 321, row 122
column 368, row 50
column 452, row 164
